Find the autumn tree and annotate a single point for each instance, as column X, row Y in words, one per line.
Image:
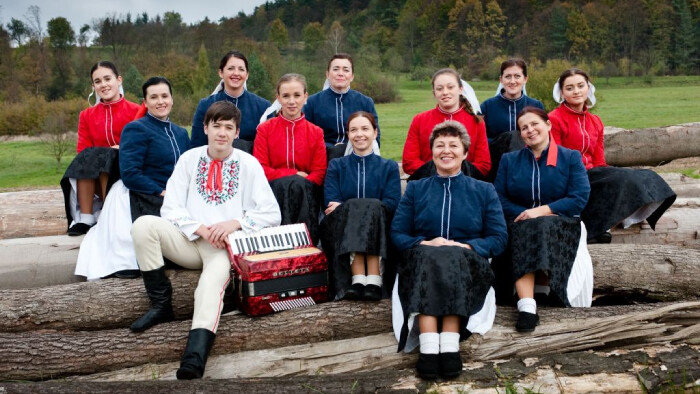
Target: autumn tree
column 277, row 34
column 578, row 34
column 335, row 37
column 201, row 79
column 313, row 36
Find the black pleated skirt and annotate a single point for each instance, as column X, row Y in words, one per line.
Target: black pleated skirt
column 617, row 193
column 357, row 226
column 90, row 163
column 299, row 200
column 442, row 281
column 548, row 244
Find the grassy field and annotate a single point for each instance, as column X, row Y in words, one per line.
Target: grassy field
column 623, row 102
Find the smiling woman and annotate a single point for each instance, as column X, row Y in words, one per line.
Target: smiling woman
column 291, row 151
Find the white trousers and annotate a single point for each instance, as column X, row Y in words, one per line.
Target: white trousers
column 155, row 237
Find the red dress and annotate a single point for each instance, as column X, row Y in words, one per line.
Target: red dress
column 417, row 152
column 101, row 125
column 581, row 131
column 284, row 146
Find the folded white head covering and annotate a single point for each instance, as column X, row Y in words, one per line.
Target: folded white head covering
column 559, row 97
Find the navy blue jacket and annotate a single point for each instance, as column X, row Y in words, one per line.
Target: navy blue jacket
column 330, row 111
column 523, row 182
column 148, row 151
column 500, row 113
column 251, row 106
column 457, row 208
column 370, row 176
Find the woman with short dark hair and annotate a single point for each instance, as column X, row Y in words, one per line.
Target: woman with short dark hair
column 447, row 227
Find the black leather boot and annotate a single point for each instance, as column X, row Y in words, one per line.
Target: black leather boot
column 160, row 292
column 194, row 360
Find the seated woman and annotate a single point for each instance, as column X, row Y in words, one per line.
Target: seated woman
column 361, row 192
column 501, row 110
column 618, row 195
column 543, row 189
column 330, row 108
column 233, row 71
column 95, row 168
column 455, row 101
column 149, row 149
column 447, row 226
column 293, row 155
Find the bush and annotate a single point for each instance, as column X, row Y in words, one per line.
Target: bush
column 541, row 80
column 28, row 117
column 378, row 86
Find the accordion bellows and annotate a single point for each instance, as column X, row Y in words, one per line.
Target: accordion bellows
column 289, row 273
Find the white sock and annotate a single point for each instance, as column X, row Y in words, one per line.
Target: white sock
column 527, row 305
column 429, row 343
column 361, row 279
column 449, row 342
column 542, row 289
column 374, row 280
column 87, row 218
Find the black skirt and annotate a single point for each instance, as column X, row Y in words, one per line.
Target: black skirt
column 442, row 281
column 428, row 169
column 90, row 163
column 503, row 143
column 299, row 200
column 548, row 244
column 144, row 204
column 362, row 226
column 617, row 193
column 335, row 151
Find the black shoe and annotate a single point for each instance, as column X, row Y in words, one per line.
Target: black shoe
column 428, row 366
column 193, row 361
column 604, row 238
column 127, row 274
column 450, row 365
column 78, row 229
column 160, row 291
column 355, row 292
column 372, row 293
column 527, row 322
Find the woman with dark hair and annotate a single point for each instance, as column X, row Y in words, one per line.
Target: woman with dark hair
column 149, row 149
column 618, row 195
column 330, row 108
column 233, row 71
column 361, row 193
column 87, row 179
column 447, row 227
column 293, row 156
column 501, row 110
column 543, row 189
column 455, row 101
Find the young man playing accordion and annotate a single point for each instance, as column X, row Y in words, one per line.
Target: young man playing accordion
column 214, row 191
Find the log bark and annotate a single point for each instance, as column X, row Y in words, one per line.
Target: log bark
column 40, row 355
column 32, row 213
column 651, row 146
column 660, row 272
column 678, row 226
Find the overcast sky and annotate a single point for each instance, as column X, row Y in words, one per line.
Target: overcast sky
column 80, row 12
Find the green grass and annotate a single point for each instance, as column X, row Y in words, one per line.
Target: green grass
column 30, row 164
column 623, row 102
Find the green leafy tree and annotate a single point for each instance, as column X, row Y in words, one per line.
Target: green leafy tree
column 132, row 81
column 313, row 36
column 61, row 40
column 683, row 37
column 578, row 33
column 201, row 80
column 277, row 34
column 61, row 33
column 259, row 78
column 18, row 31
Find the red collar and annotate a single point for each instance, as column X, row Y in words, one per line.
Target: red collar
column 302, row 117
column 552, row 153
column 449, row 113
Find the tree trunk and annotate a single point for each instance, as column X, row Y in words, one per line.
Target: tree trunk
column 678, row 226
column 32, row 214
column 38, row 355
column 651, row 147
column 661, row 272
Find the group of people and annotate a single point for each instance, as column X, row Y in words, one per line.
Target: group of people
column 501, row 201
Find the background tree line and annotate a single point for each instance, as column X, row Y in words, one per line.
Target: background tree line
column 44, row 67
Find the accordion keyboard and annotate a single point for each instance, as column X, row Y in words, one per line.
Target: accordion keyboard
column 270, row 239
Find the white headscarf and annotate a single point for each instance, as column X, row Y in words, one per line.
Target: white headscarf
column 500, row 87
column 559, row 97
column 470, row 95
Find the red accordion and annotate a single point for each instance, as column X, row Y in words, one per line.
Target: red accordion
column 277, row 269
